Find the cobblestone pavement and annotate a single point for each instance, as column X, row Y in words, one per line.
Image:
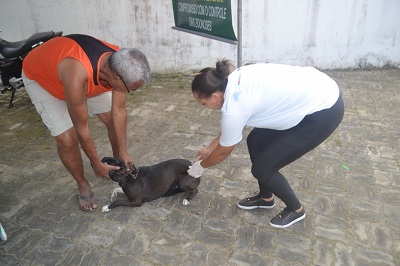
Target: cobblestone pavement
column 350, row 187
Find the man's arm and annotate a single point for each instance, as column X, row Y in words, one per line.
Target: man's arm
column 119, row 115
column 74, row 78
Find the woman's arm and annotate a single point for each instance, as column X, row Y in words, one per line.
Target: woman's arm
column 218, row 155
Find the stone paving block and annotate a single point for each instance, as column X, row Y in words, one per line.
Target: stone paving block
column 226, row 226
column 44, row 257
column 142, row 243
column 18, row 238
column 239, row 258
column 28, row 244
column 293, row 256
column 222, row 206
column 390, row 195
column 264, row 241
column 175, row 223
column 340, row 207
column 114, row 258
column 258, row 217
column 56, row 244
column 245, row 238
column 212, row 237
column 344, row 254
column 197, row 255
column 383, row 178
column 7, row 260
column 380, row 237
column 332, row 222
column 218, row 256
column 362, row 211
column 166, row 251
column 374, row 257
column 192, row 226
column 333, row 234
column 362, row 233
column 293, row 241
column 322, row 205
column 72, row 227
column 324, row 254
column 90, row 256
column 392, row 213
column 41, row 223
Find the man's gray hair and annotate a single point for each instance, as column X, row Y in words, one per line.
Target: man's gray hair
column 131, row 65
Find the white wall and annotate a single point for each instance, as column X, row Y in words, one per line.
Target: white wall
column 323, row 33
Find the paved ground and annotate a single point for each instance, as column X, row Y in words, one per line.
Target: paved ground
column 350, row 187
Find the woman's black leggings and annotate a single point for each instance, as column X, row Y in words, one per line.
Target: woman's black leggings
column 271, row 150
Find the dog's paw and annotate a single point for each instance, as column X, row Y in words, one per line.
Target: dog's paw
column 105, row 209
column 186, row 202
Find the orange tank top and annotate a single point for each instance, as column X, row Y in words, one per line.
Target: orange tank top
column 41, row 64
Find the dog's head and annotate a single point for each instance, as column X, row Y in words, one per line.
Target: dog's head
column 121, row 173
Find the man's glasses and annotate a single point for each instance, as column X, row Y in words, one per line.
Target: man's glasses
column 126, row 87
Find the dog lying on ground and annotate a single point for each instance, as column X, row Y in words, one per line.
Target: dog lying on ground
column 148, row 183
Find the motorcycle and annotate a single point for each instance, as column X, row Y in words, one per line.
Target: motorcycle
column 11, row 56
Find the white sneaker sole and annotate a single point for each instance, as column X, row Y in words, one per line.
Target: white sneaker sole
column 289, row 224
column 254, row 207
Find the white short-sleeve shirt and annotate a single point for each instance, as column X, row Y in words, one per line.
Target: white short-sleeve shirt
column 273, row 96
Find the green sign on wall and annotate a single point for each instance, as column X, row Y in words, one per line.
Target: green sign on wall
column 209, row 18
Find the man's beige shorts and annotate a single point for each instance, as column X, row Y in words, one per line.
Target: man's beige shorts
column 54, row 111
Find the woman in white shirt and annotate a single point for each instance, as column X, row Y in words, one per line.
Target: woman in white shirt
column 292, row 109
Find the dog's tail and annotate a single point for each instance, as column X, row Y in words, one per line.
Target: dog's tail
column 172, row 191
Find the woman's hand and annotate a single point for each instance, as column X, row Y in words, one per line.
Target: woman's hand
column 203, row 153
column 195, row 170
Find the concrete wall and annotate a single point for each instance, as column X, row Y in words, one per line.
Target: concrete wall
column 323, row 33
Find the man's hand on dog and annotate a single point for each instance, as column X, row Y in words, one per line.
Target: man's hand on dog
column 130, row 166
column 101, row 170
column 129, row 163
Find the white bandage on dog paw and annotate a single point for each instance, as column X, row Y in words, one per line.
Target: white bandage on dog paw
column 105, row 209
column 196, row 170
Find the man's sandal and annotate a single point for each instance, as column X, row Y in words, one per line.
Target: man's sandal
column 87, row 199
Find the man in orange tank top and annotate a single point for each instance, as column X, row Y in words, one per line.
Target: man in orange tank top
column 70, row 78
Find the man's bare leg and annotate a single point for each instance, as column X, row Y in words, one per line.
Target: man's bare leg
column 70, row 155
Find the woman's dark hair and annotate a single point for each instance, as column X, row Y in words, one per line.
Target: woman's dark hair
column 211, row 79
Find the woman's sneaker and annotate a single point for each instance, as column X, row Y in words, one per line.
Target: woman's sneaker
column 255, row 202
column 286, row 218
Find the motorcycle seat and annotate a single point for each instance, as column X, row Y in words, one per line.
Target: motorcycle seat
column 19, row 48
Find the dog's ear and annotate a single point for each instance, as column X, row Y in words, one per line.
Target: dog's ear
column 109, row 160
column 114, row 162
